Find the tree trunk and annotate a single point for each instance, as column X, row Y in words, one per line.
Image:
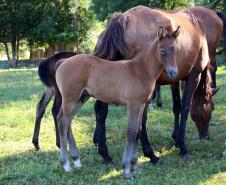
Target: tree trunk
column 14, row 53
column 7, row 52
column 49, row 51
column 17, row 48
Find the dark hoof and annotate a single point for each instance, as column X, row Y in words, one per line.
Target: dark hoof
column 155, row 160
column 184, row 154
column 109, row 161
column 58, row 145
column 36, row 145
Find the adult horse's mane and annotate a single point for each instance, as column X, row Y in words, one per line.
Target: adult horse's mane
column 113, row 45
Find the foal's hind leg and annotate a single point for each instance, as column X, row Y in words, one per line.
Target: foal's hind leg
column 41, row 107
column 55, row 111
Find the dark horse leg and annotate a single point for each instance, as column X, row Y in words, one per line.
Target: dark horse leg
column 146, row 146
column 99, row 139
column 55, row 111
column 190, row 87
column 176, row 108
column 158, row 96
column 41, row 107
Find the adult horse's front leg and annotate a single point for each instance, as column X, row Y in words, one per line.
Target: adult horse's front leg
column 190, row 87
column 146, row 146
column 135, row 112
column 99, row 138
column 175, row 91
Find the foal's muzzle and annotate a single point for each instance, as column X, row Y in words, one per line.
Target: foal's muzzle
column 172, row 73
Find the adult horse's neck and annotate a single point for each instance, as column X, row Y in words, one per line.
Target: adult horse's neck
column 148, row 60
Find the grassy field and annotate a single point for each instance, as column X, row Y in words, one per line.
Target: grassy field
column 20, row 90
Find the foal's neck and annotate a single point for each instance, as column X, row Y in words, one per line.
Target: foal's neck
column 149, row 61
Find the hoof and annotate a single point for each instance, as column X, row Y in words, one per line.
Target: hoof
column 108, row 160
column 67, row 167
column 77, row 163
column 136, row 169
column 224, row 154
column 185, row 155
column 36, row 145
column 128, row 176
column 155, row 160
column 58, row 145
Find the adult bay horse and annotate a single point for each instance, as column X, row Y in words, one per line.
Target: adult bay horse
column 214, row 23
column 46, row 72
column 82, row 76
column 128, row 33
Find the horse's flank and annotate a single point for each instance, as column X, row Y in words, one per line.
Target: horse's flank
column 98, row 76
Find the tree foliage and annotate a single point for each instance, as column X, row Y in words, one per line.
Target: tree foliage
column 105, row 8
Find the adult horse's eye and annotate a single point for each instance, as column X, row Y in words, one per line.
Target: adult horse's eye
column 162, row 51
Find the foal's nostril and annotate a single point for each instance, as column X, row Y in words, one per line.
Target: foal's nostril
column 173, row 73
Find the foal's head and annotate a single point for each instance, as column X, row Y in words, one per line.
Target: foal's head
column 168, row 48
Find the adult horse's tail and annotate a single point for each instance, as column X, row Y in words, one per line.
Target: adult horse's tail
column 223, row 18
column 46, row 68
column 111, row 44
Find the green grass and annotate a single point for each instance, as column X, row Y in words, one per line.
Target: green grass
column 20, row 90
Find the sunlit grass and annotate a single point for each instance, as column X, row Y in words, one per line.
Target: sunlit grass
column 20, row 90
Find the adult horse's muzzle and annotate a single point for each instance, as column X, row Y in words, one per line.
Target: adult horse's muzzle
column 172, row 72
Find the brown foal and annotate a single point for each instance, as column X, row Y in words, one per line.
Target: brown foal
column 82, row 76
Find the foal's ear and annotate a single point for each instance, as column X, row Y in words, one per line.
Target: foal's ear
column 161, row 32
column 176, row 33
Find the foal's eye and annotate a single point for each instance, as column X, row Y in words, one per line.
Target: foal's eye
column 162, row 51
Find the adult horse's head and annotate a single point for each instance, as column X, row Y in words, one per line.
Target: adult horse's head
column 168, row 48
column 203, row 105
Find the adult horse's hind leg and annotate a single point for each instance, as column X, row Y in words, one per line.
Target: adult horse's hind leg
column 135, row 111
column 55, row 111
column 41, row 107
column 175, row 91
column 146, row 146
column 99, row 138
column 190, row 87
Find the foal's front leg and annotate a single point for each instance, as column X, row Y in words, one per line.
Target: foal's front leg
column 135, row 111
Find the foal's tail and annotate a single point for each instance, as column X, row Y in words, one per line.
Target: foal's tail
column 223, row 18
column 46, row 68
column 111, row 44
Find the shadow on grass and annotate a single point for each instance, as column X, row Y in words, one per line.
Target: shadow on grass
column 43, row 167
